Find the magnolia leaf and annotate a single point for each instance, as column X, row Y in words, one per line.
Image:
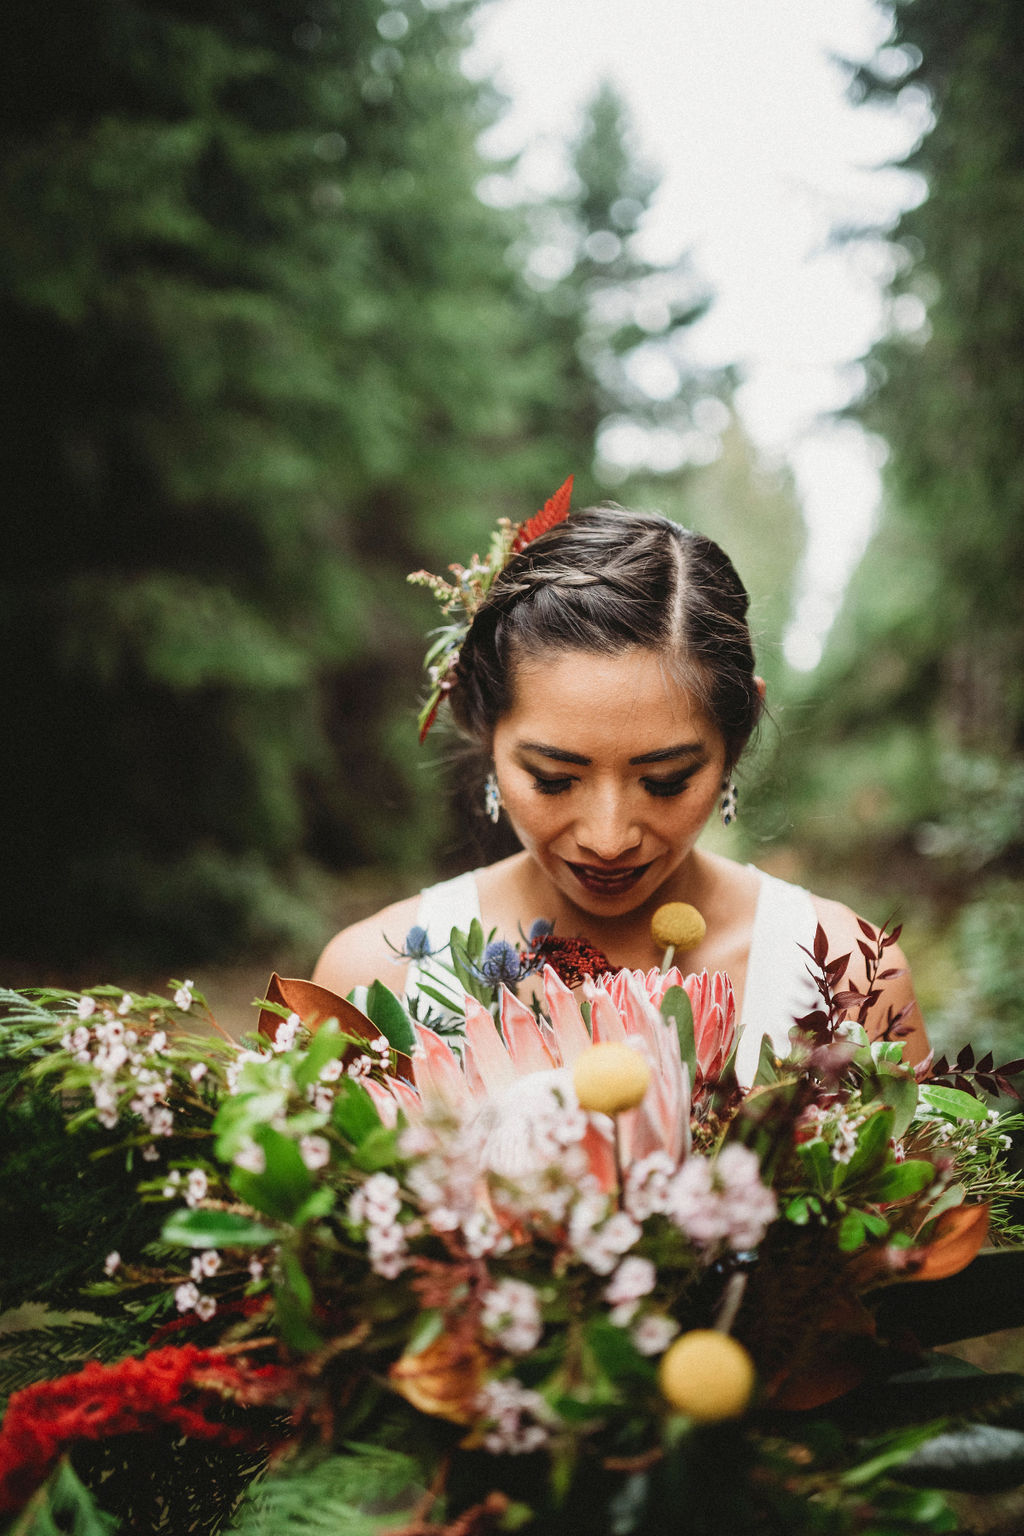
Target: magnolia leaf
column 953, row 1102
column 977, row 1458
column 216, row 1229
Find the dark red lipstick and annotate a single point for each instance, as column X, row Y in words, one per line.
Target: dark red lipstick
column 608, row 882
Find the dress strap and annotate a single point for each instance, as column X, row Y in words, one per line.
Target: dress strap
column 447, row 905
column 778, row 988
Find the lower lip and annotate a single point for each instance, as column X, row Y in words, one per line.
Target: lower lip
column 608, row 885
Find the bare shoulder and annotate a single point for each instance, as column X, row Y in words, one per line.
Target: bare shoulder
column 360, row 954
column 844, row 936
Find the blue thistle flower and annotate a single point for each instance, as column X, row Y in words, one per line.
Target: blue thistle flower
column 540, row 929
column 501, row 963
column 417, row 944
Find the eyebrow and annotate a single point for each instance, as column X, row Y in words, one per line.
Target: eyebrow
column 663, row 755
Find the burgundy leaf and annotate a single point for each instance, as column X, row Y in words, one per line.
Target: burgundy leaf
column 867, row 930
column 966, row 1058
column 820, row 945
column 984, row 1080
column 985, row 1064
column 964, row 1085
column 1011, row 1068
column 940, row 1067
column 892, row 938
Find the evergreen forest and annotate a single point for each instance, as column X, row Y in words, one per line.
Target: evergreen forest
column 274, row 337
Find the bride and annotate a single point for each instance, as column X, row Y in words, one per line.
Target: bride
column 607, row 674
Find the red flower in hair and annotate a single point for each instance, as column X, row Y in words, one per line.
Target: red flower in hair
column 554, row 511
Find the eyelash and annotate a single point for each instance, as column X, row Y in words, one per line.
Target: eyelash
column 660, row 789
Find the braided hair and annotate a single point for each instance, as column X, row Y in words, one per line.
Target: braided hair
column 603, row 581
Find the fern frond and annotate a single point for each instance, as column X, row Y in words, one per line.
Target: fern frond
column 363, row 1490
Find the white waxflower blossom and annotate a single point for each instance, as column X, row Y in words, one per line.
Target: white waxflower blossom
column 511, row 1312
column 635, row 1277
column 251, row 1157
column 509, row 1407
column 196, row 1188
column 125, row 1005
column 183, row 996
column 86, row 1007
column 209, row 1261
column 186, row 1296
column 332, row 1070
column 205, row 1308
column 256, row 1269
column 315, row 1151
column 198, row 1072
column 150, row 1154
column 284, row 1035
column 112, row 1262
column 652, row 1335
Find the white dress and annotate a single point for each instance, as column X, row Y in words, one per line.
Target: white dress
column 778, row 987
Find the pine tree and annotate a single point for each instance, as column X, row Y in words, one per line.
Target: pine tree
column 261, row 341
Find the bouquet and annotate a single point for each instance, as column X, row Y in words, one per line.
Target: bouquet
column 534, row 1263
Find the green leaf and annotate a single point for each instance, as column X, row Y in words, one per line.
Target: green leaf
column 327, row 1044
column 766, row 1073
column 354, row 1113
column 953, row 1102
column 429, row 1326
column 284, row 1184
column 293, row 1304
column 615, row 1352
column 65, row 1497
column 873, row 1138
column 902, row 1180
column 851, row 1233
column 820, row 1166
column 677, row 1009
column 386, row 1012
column 377, row 1150
column 240, row 1117
column 901, row 1095
column 216, row 1229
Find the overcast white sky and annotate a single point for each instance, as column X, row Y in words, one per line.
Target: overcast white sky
column 741, row 109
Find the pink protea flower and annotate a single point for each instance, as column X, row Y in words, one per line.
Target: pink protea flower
column 523, row 1076
column 713, row 1003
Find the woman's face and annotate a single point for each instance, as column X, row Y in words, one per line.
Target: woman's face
column 608, row 770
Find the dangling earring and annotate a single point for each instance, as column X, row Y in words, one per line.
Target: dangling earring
column 492, row 796
column 728, row 809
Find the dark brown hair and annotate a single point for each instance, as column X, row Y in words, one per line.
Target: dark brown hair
column 603, row 581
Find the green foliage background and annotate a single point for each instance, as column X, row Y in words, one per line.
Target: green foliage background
column 267, row 350
column 271, row 342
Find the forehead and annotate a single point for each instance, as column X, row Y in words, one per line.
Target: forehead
column 604, row 706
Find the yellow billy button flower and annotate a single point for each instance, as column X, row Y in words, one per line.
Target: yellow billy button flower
column 707, row 1375
column 610, row 1077
column 676, row 925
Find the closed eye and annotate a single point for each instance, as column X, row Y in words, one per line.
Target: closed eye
column 666, row 788
column 546, row 786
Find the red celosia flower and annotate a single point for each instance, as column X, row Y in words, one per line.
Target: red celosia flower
column 570, row 959
column 556, row 510
column 167, row 1386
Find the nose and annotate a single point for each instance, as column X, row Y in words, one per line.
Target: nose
column 606, row 827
